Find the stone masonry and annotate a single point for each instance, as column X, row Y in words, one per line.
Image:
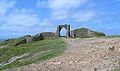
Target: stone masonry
column 59, row 28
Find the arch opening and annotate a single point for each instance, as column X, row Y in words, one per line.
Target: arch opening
column 63, row 32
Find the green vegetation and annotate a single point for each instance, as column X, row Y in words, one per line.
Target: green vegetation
column 87, row 33
column 100, row 34
column 37, row 51
column 12, row 41
column 116, row 69
column 112, row 36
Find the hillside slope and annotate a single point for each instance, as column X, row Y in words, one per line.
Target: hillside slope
column 15, row 56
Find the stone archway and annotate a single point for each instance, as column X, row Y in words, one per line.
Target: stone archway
column 59, row 28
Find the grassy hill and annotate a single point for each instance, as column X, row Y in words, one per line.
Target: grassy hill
column 86, row 33
column 12, row 41
column 14, row 56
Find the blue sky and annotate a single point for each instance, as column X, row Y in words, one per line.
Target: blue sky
column 21, row 17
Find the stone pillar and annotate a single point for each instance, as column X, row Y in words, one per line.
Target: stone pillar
column 68, row 30
column 58, row 31
column 72, row 34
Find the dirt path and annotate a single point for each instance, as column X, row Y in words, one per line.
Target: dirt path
column 91, row 54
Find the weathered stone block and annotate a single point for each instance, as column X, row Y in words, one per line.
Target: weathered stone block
column 29, row 40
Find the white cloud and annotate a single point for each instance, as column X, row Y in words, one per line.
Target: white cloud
column 42, row 3
column 20, row 20
column 46, row 22
column 24, row 20
column 60, row 14
column 65, row 4
column 61, row 9
column 84, row 16
column 5, row 5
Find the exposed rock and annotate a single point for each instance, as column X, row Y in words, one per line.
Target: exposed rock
column 57, row 63
column 71, row 61
column 111, row 48
column 12, row 60
column 2, row 46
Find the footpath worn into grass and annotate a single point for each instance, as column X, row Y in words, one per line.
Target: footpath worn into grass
column 15, row 56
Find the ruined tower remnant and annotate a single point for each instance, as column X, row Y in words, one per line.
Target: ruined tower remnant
column 59, row 28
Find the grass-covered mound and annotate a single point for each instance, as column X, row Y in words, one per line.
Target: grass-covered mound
column 12, row 41
column 30, row 53
column 86, row 33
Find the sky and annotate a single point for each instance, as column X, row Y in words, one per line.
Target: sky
column 22, row 17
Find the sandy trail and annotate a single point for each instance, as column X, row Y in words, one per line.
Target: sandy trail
column 90, row 54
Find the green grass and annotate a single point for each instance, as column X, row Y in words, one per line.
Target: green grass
column 48, row 48
column 116, row 69
column 12, row 41
column 112, row 36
